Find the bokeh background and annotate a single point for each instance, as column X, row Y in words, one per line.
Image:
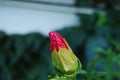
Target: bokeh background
column 91, row 27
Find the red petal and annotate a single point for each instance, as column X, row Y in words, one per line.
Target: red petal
column 56, row 41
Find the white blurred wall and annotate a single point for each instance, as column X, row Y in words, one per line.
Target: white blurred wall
column 22, row 21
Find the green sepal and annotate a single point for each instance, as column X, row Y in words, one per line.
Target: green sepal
column 79, row 65
column 65, row 61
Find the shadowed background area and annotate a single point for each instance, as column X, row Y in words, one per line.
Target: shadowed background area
column 91, row 27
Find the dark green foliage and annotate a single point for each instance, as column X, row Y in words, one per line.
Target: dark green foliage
column 24, row 57
column 27, row 57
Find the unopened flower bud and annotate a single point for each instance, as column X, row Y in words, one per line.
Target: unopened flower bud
column 62, row 56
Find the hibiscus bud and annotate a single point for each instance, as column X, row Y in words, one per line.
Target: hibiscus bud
column 62, row 56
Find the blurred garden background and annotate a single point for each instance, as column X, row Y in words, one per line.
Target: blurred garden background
column 91, row 27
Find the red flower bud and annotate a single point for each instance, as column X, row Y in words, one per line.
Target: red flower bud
column 62, row 56
column 56, row 41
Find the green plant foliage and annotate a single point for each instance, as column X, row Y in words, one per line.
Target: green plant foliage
column 24, row 57
column 27, row 57
column 111, row 66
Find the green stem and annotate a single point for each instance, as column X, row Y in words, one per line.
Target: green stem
column 92, row 76
column 64, row 77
